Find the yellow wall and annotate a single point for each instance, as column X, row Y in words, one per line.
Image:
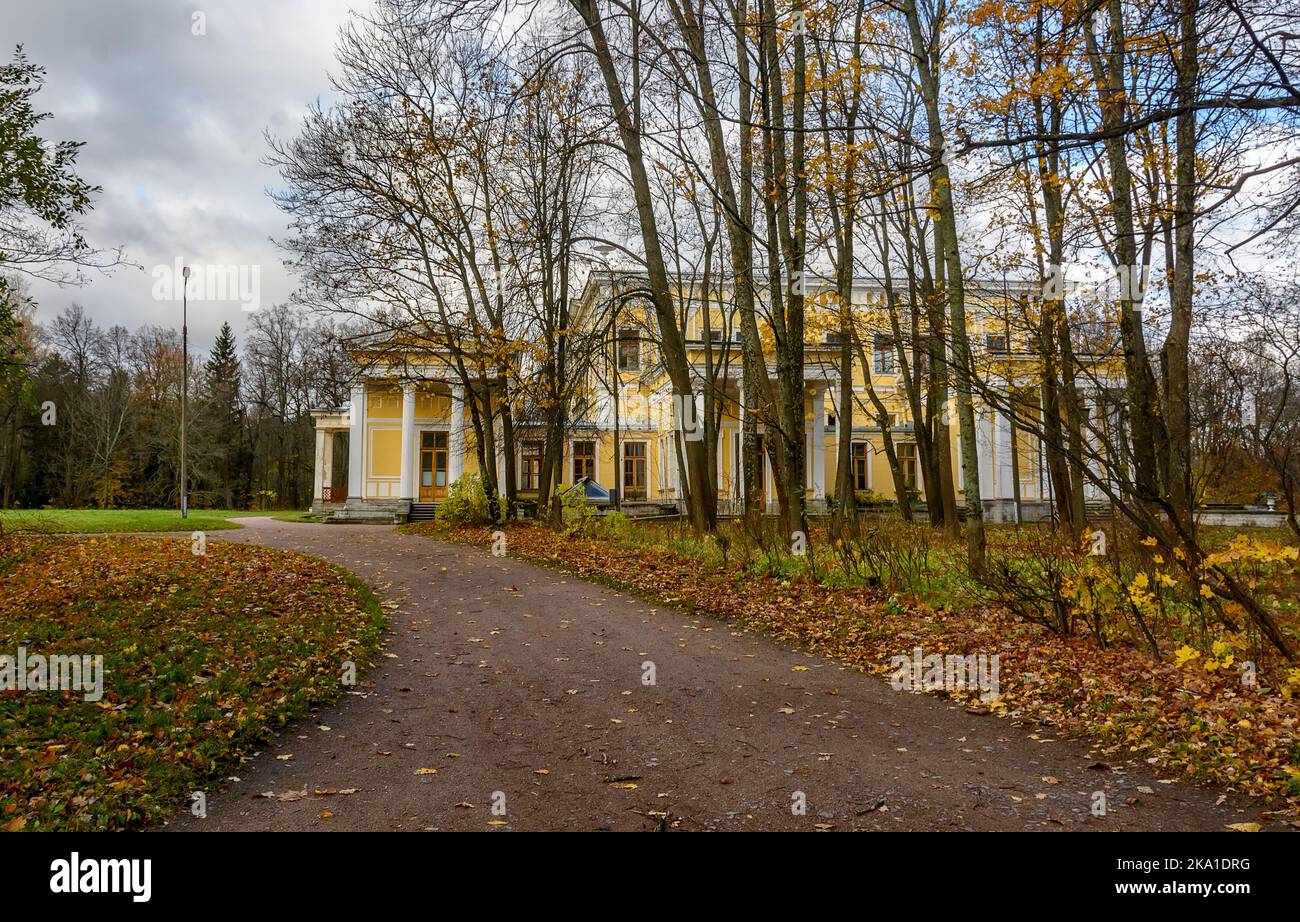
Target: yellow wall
column 384, row 402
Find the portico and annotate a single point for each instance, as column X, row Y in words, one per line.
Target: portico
column 329, row 487
column 406, row 445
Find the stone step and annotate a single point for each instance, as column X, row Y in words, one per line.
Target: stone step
column 371, row 512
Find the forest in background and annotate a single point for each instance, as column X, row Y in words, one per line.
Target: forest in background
column 95, row 418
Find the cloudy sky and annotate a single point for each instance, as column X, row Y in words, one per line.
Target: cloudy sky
column 173, row 124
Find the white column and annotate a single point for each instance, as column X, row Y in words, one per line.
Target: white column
column 327, row 468
column 318, row 486
column 356, row 443
column 456, row 440
column 770, row 494
column 819, row 444
column 723, row 435
column 1089, row 424
column 1006, row 489
column 408, row 440
column 738, row 465
column 738, row 459
column 992, row 489
column 839, row 434
column 501, row 459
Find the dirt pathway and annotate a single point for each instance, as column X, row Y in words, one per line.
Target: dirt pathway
column 520, row 684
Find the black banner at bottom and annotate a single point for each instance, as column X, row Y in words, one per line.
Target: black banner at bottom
column 140, row 874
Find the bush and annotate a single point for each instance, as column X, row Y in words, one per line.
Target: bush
column 867, row 499
column 616, row 525
column 466, row 503
column 575, row 511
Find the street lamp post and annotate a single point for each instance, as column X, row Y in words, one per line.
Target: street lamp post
column 185, row 386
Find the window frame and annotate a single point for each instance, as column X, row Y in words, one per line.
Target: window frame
column 643, row 489
column 883, row 359
column 861, row 483
column 627, row 336
column 907, row 463
column 530, row 478
column 574, row 458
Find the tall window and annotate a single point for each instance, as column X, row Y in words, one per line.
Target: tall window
column 922, row 355
column 634, row 471
column 530, row 471
column 858, row 460
column 907, row 462
column 882, row 354
column 584, row 460
column 629, row 350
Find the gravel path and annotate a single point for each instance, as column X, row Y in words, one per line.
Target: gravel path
column 524, row 689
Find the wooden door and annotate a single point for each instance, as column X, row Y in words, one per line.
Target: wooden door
column 433, row 466
column 634, row 470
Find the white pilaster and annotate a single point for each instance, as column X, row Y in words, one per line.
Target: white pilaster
column 456, row 441
column 357, row 443
column 408, row 441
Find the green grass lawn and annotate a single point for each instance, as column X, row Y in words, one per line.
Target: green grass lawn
column 202, row 656
column 83, row 521
column 290, row 516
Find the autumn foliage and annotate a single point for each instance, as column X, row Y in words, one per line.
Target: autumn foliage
column 203, row 656
column 1188, row 713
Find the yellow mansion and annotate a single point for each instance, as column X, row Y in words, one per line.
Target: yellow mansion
column 408, row 436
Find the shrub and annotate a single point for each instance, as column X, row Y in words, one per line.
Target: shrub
column 890, row 554
column 616, row 525
column 466, row 503
column 575, row 511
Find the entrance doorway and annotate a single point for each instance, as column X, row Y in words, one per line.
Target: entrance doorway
column 433, row 466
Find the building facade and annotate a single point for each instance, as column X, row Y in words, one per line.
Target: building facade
column 406, row 438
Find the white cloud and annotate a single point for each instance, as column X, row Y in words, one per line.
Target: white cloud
column 173, row 125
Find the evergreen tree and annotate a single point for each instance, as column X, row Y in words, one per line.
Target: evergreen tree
column 221, row 423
